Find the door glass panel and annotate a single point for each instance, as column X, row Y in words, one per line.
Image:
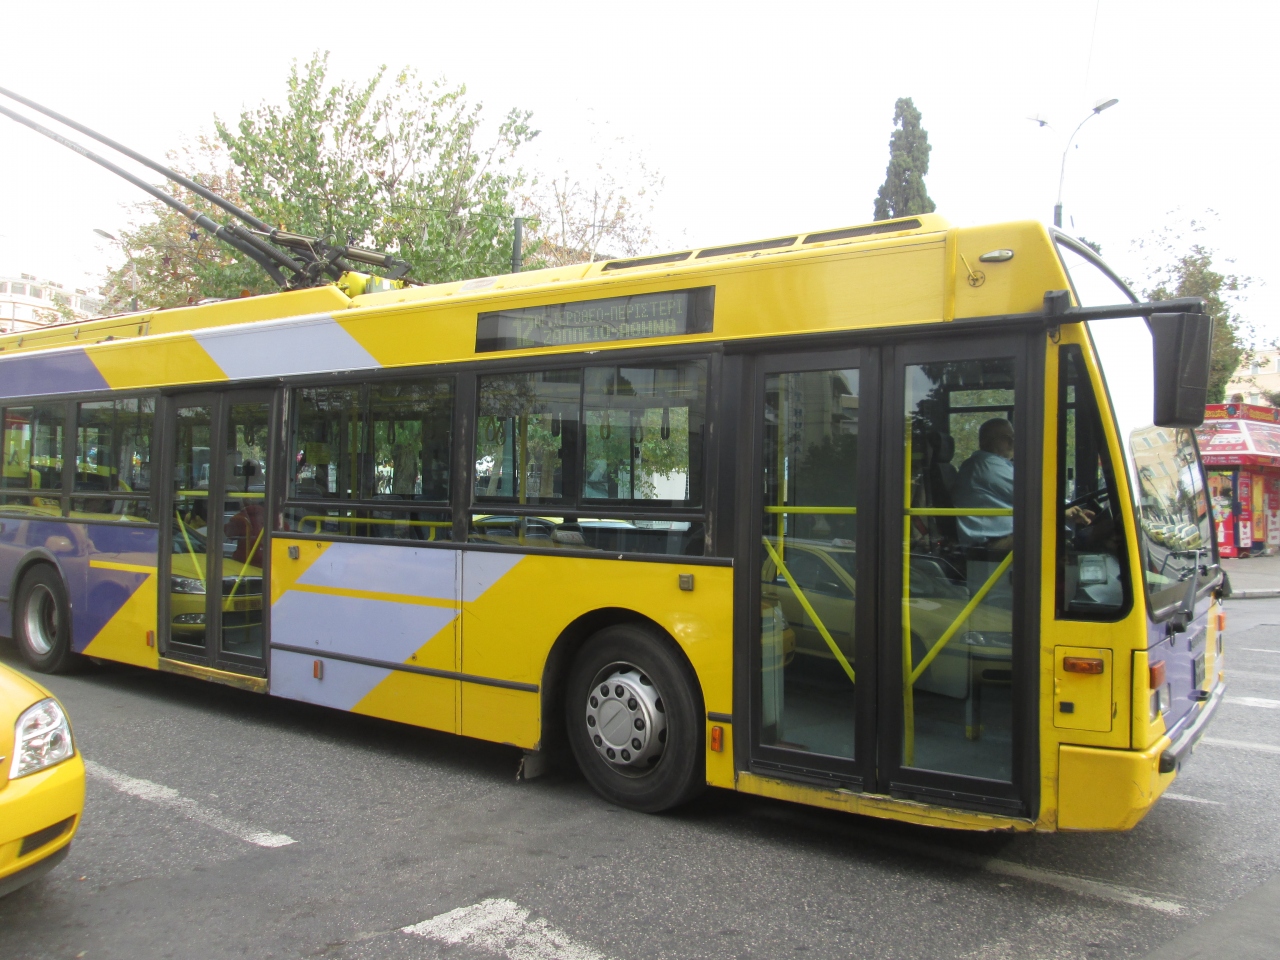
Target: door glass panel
column 957, row 611
column 190, row 565
column 244, row 527
column 810, row 547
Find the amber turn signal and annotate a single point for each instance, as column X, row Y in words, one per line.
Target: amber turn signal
column 1083, row 665
column 1156, row 672
column 717, row 739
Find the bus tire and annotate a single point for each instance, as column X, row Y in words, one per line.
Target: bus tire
column 634, row 715
column 42, row 621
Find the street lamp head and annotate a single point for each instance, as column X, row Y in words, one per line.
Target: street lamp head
column 105, row 235
column 1104, row 104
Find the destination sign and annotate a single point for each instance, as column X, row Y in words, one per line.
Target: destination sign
column 637, row 317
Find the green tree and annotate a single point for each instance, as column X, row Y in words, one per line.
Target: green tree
column 390, row 163
column 1191, row 274
column 903, row 193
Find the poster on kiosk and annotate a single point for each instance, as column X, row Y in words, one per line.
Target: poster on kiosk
column 1240, row 445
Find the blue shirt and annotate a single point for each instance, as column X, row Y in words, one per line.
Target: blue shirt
column 985, row 481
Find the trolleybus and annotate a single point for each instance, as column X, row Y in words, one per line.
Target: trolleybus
column 874, row 518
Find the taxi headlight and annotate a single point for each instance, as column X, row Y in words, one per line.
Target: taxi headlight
column 42, row 737
column 186, row 585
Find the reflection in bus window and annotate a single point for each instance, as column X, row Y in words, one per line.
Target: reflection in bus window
column 808, row 590
column 644, row 432
column 1174, row 523
column 1092, row 580
column 958, row 526
column 328, row 432
column 113, row 445
column 526, row 435
column 410, row 427
column 33, row 446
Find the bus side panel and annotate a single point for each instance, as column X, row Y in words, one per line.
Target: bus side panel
column 360, row 627
column 109, row 572
column 515, row 607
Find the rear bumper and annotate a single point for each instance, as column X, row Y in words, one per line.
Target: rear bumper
column 32, row 806
column 1184, row 741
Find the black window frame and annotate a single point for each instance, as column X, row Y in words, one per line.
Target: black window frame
column 1086, row 403
column 375, row 512
column 67, row 494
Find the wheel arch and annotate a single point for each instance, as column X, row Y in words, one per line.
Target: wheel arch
column 555, row 672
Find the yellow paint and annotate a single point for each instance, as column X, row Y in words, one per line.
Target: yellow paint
column 720, row 772
column 154, row 361
column 532, row 595
column 1108, row 789
column 868, row 804
column 123, row 638
column 1090, row 695
column 373, row 595
column 285, row 571
column 413, row 698
column 125, row 567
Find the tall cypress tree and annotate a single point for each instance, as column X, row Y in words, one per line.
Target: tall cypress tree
column 903, row 193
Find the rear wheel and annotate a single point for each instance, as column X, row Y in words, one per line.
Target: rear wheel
column 635, row 720
column 42, row 621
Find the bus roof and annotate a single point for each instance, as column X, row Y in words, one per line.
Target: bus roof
column 912, row 270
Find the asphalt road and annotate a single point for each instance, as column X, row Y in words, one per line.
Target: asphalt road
column 223, row 824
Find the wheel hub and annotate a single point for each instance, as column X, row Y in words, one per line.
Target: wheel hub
column 41, row 620
column 626, row 719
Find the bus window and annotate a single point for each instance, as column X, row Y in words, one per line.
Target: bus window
column 526, row 436
column 958, row 609
column 1174, row 525
column 809, row 579
column 644, row 429
column 113, row 458
column 328, row 434
column 1092, row 581
column 33, row 446
column 410, row 425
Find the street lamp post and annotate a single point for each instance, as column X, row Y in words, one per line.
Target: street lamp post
column 133, row 267
column 1062, row 172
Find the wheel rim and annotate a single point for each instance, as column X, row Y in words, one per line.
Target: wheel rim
column 41, row 620
column 626, row 719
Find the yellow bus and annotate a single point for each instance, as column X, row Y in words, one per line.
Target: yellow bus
column 872, row 518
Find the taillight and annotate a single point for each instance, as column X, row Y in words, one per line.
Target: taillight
column 1156, row 674
column 1083, row 665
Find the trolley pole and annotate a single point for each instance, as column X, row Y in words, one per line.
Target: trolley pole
column 516, row 244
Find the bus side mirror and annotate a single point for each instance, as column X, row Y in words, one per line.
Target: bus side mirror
column 1182, row 346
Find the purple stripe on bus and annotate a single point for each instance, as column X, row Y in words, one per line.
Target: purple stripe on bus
column 59, row 371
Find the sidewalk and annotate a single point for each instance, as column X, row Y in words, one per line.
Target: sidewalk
column 1253, row 577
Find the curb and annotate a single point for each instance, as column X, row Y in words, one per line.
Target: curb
column 1262, row 594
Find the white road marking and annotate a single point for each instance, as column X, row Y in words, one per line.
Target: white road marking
column 1183, row 797
column 505, row 928
column 1259, row 650
column 1250, row 675
column 1242, row 745
column 169, row 797
column 1092, row 888
column 1255, row 702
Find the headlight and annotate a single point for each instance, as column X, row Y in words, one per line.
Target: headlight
column 42, row 738
column 185, row 585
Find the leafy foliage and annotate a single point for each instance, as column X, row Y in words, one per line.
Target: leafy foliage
column 1191, row 274
column 391, row 163
column 903, row 193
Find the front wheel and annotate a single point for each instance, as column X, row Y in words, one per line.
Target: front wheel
column 42, row 621
column 635, row 720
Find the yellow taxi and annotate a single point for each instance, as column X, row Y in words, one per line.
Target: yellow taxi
column 41, row 781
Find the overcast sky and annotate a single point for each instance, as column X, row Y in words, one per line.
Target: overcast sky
column 764, row 119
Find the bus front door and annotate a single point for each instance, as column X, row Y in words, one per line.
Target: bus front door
column 216, row 471
column 890, row 654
